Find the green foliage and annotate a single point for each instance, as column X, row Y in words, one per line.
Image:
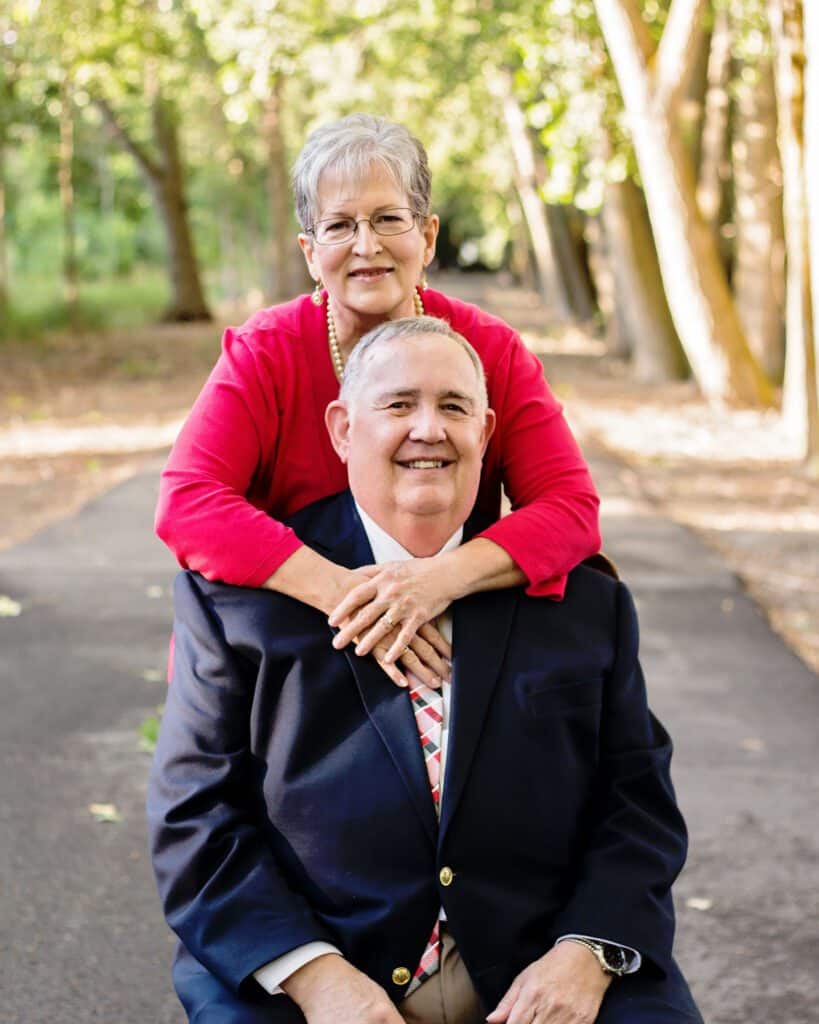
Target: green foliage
column 149, row 731
column 38, row 304
column 428, row 64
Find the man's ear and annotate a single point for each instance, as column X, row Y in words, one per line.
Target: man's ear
column 337, row 420
column 488, row 429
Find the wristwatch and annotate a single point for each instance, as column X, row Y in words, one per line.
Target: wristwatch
column 611, row 958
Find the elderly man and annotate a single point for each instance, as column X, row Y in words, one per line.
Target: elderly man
column 330, row 847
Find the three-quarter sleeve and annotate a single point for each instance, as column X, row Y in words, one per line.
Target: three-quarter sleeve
column 554, row 522
column 204, row 514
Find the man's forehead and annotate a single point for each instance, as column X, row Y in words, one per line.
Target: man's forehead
column 429, row 363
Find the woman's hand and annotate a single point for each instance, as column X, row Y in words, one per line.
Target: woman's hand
column 390, row 613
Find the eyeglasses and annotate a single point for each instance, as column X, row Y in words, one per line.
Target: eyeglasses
column 338, row 230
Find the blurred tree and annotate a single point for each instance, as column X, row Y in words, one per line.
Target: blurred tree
column 714, row 178
column 811, row 123
column 66, row 181
column 652, row 81
column 801, row 394
column 8, row 80
column 252, row 49
column 550, row 282
column 758, row 264
column 133, row 58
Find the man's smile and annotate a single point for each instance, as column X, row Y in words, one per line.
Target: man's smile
column 425, row 463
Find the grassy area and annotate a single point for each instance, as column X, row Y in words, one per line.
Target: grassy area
column 38, row 305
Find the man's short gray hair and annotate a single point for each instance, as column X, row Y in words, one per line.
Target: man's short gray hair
column 406, row 328
column 350, row 147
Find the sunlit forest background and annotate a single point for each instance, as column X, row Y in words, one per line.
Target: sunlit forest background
column 647, row 165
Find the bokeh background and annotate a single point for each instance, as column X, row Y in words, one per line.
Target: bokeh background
column 633, row 184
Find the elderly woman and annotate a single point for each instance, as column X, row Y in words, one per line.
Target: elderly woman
column 254, row 449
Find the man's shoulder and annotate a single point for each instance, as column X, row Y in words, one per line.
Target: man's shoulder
column 322, row 523
column 592, row 600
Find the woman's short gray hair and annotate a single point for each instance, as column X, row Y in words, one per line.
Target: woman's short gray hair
column 395, row 330
column 350, row 147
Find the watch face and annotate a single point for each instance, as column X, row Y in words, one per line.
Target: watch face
column 615, row 958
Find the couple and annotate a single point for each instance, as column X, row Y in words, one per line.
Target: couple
column 333, row 848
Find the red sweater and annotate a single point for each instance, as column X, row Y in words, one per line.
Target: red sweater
column 254, row 450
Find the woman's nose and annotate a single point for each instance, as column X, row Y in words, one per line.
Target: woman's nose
column 366, row 241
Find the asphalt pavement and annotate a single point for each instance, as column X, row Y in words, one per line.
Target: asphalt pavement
column 81, row 668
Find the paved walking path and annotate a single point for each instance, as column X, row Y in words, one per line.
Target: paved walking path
column 81, row 936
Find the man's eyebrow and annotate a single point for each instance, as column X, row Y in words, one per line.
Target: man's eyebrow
column 459, row 396
column 384, row 396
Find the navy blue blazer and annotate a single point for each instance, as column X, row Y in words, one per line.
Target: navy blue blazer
column 289, row 802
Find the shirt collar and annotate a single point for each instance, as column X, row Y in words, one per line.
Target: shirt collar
column 387, row 549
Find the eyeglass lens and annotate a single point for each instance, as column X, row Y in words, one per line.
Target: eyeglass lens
column 336, row 230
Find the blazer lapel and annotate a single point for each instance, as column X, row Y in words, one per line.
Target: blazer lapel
column 389, row 706
column 480, row 634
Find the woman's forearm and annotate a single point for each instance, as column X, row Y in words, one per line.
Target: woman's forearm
column 312, row 579
column 480, row 564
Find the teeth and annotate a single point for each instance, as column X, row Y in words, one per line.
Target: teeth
column 426, row 464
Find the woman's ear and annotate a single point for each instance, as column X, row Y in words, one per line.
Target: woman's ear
column 430, row 233
column 337, row 420
column 306, row 246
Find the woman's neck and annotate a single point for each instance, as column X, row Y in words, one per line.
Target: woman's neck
column 352, row 326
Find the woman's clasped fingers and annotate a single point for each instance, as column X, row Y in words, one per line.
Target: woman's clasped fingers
column 358, row 597
column 368, row 625
column 385, row 625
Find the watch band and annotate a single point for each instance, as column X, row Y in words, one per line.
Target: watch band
column 611, row 958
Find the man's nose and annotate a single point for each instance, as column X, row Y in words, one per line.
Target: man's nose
column 366, row 241
column 428, row 425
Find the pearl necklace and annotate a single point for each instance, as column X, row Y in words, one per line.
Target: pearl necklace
column 332, row 337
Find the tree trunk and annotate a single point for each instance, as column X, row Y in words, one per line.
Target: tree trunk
column 282, row 250
column 550, row 284
column 188, row 299
column 692, row 107
column 519, row 256
column 166, row 181
column 6, row 96
column 698, row 296
column 811, row 128
column 759, row 267
column 640, row 299
column 66, row 179
column 4, row 261
column 576, row 283
column 800, row 402
column 715, row 163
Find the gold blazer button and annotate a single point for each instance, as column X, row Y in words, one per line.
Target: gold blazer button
column 445, row 876
column 401, row 976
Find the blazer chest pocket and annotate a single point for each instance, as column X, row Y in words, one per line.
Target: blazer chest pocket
column 542, row 695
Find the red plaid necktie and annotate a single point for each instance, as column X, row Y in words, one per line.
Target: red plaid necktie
column 428, row 707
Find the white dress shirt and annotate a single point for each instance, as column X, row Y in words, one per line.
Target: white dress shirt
column 386, row 549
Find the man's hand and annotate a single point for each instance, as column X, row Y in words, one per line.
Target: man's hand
column 566, row 986
column 329, row 990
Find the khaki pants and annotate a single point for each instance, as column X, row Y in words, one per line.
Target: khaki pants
column 448, row 997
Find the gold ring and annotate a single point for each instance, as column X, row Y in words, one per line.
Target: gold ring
column 388, row 620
